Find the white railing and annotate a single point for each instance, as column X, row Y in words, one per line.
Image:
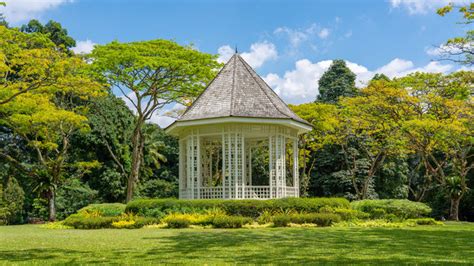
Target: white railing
column 247, row 192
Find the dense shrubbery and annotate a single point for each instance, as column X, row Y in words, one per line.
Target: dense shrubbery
column 320, row 219
column 175, row 213
column 104, row 209
column 213, row 217
column 230, row 221
column 392, row 209
column 247, row 208
column 108, row 215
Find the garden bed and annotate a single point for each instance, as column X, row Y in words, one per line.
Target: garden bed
column 316, row 212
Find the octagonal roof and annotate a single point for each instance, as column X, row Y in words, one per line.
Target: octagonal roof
column 238, row 91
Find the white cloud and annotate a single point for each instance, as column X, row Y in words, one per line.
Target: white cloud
column 83, row 47
column 259, row 53
column 301, row 84
column 423, row 6
column 225, row 53
column 162, row 118
column 297, row 36
column 324, row 33
column 23, row 10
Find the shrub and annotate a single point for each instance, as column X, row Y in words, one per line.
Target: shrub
column 281, row 220
column 12, row 198
column 402, row 209
column 320, row 219
column 350, row 214
column 228, row 221
column 177, row 222
column 79, row 221
column 127, row 224
column 192, row 218
column 265, row 217
column 103, row 209
column 247, row 208
column 144, row 221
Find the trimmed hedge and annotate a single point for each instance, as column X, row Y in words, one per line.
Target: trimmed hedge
column 226, row 221
column 320, row 219
column 392, row 208
column 247, row 208
column 178, row 222
column 79, row 221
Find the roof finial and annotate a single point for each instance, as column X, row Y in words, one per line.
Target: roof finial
column 236, row 51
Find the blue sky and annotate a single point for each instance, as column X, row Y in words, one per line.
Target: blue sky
column 290, row 43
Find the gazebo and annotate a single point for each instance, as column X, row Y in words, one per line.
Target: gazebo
column 238, row 140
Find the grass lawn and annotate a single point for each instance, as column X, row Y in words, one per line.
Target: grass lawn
column 31, row 244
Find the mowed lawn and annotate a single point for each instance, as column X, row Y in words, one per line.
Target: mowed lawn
column 31, row 244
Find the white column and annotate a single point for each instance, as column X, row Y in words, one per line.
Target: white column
column 199, row 166
column 223, row 164
column 296, row 182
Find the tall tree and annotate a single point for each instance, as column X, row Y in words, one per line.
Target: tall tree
column 337, row 81
column 150, row 75
column 39, row 83
column 373, row 121
column 441, row 131
column 55, row 32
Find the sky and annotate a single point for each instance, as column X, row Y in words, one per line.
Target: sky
column 289, row 43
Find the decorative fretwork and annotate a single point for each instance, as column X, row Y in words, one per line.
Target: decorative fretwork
column 216, row 162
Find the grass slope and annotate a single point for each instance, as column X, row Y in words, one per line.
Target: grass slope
column 30, row 244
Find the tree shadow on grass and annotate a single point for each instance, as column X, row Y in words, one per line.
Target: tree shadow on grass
column 38, row 254
column 309, row 246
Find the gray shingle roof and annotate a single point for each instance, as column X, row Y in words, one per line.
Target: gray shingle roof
column 238, row 91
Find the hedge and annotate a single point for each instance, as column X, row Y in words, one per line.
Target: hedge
column 320, row 219
column 79, row 221
column 247, row 208
column 392, row 208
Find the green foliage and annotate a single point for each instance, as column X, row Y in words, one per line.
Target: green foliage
column 79, row 221
column 177, row 222
column 156, row 73
column 338, row 81
column 230, row 221
column 104, row 209
column 109, row 215
column 247, row 208
column 12, row 199
column 402, row 209
column 73, row 196
column 320, row 219
column 55, row 32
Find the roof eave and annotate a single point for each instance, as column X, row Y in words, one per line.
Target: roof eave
column 176, row 126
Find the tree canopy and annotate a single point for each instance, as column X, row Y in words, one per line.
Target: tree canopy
column 151, row 75
column 337, row 81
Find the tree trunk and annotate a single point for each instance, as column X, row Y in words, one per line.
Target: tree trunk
column 137, row 147
column 454, row 209
column 52, row 205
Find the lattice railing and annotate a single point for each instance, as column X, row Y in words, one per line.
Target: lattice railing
column 249, row 192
